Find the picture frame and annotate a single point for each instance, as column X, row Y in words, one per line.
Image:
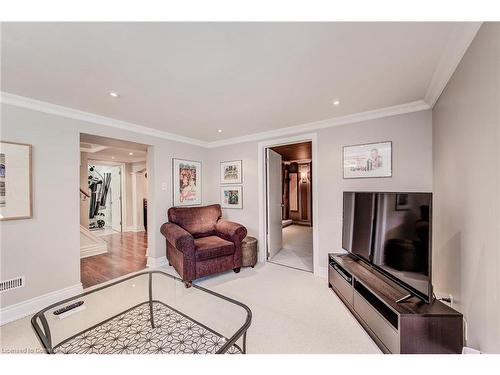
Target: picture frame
column 231, row 172
column 368, row 160
column 293, row 192
column 186, row 182
column 402, row 203
column 231, row 197
column 16, row 195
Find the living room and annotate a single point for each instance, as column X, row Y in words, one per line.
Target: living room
column 402, row 115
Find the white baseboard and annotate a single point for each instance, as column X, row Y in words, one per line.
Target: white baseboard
column 91, row 250
column 135, row 229
column 321, row 272
column 156, row 262
column 20, row 310
column 94, row 245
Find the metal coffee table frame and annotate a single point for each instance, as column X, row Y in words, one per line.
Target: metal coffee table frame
column 44, row 335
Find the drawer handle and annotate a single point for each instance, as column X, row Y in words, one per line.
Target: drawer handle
column 341, row 273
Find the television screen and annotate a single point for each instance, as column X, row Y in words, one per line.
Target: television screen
column 392, row 232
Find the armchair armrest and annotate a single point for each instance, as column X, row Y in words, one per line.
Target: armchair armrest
column 178, row 237
column 230, row 231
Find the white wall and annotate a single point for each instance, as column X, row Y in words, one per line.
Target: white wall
column 411, row 135
column 46, row 248
column 467, row 188
column 141, row 193
column 136, row 190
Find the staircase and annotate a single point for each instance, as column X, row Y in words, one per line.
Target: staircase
column 90, row 244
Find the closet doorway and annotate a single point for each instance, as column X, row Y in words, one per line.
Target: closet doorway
column 289, row 205
column 113, row 208
column 106, row 206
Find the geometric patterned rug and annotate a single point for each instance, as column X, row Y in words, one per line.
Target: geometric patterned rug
column 131, row 332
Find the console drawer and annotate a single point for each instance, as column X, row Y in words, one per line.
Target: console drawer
column 340, row 284
column 379, row 326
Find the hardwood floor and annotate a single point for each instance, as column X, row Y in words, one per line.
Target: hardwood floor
column 126, row 254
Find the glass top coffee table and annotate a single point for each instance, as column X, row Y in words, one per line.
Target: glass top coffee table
column 149, row 312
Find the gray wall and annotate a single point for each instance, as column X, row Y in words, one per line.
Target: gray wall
column 466, row 140
column 37, row 248
column 46, row 248
column 411, row 135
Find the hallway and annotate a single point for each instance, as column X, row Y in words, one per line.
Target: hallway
column 297, row 251
column 126, row 254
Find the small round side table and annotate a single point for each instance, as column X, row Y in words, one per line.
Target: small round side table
column 249, row 249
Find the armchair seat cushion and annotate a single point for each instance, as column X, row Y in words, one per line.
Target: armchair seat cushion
column 212, row 247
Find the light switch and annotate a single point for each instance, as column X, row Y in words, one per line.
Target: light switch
column 163, row 186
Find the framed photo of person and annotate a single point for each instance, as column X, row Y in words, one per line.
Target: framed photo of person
column 15, row 181
column 231, row 172
column 231, row 196
column 368, row 160
column 186, row 182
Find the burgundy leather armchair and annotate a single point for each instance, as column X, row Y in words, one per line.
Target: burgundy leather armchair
column 200, row 243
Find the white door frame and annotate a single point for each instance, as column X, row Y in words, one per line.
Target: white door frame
column 124, row 186
column 313, row 138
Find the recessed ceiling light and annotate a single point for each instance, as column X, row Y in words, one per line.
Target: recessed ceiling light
column 336, row 102
column 131, row 153
column 112, row 157
column 114, row 94
column 219, row 131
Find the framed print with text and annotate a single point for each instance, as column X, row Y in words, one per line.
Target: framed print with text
column 368, row 160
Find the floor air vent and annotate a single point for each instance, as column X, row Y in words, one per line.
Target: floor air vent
column 15, row 283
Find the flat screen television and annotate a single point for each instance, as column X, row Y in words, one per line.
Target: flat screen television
column 392, row 232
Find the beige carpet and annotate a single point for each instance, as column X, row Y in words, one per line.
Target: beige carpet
column 293, row 312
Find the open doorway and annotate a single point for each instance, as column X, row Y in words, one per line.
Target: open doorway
column 289, row 205
column 106, row 206
column 113, row 208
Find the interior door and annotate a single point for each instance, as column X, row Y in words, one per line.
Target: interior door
column 274, row 204
column 116, row 198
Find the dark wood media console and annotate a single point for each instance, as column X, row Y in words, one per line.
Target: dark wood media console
column 407, row 327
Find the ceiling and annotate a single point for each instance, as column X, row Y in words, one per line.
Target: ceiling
column 192, row 79
column 112, row 150
column 296, row 151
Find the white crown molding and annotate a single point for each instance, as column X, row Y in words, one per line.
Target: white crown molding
column 459, row 42
column 93, row 150
column 20, row 310
column 38, row 105
column 416, row 106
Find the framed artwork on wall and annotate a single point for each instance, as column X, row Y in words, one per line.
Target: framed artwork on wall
column 231, row 172
column 293, row 192
column 186, row 181
column 402, row 203
column 368, row 160
column 15, row 181
column 231, row 196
